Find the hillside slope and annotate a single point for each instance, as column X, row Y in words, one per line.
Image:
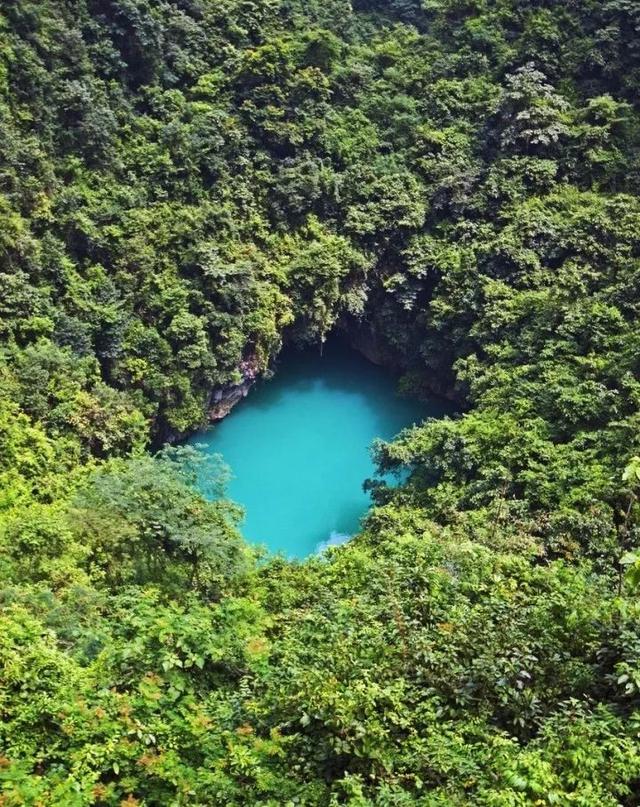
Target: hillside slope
column 184, row 186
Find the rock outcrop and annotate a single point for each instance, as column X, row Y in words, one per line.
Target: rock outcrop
column 363, row 338
column 223, row 399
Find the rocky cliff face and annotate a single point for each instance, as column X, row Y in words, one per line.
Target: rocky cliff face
column 364, row 339
column 223, row 399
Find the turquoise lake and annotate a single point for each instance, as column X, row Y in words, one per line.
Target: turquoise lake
column 298, row 446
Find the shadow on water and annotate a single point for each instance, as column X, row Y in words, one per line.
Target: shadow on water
column 338, row 369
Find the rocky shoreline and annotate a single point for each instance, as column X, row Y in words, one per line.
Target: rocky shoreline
column 362, row 337
column 223, row 399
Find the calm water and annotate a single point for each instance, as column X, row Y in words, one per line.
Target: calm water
column 298, row 447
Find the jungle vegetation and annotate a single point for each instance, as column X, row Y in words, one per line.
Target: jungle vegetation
column 184, row 186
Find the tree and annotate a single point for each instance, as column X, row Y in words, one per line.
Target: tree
column 144, row 522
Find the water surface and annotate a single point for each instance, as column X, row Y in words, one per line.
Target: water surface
column 298, row 446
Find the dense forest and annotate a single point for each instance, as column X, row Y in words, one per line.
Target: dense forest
column 187, row 185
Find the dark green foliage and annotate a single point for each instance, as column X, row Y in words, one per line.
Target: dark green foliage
column 186, row 184
column 143, row 523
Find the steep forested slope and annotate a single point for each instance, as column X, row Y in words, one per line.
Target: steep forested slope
column 183, row 186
